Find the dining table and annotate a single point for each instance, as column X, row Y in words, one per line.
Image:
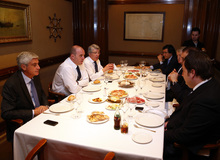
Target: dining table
column 75, row 137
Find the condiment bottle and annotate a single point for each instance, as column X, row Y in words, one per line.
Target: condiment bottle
column 117, row 119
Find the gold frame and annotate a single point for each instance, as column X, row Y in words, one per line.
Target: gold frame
column 144, row 26
column 15, row 22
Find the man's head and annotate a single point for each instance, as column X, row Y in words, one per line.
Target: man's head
column 77, row 54
column 185, row 52
column 195, row 33
column 197, row 67
column 168, row 51
column 179, row 53
column 94, row 52
column 29, row 64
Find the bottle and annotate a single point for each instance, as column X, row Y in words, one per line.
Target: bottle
column 117, row 119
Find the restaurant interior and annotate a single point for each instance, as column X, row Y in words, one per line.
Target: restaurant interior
column 84, row 22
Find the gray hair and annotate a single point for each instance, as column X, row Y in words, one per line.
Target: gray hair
column 92, row 47
column 25, row 57
column 180, row 49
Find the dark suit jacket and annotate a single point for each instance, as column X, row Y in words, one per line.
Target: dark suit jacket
column 166, row 69
column 196, row 121
column 190, row 43
column 17, row 103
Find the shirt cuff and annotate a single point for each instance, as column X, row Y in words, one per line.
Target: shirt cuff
column 161, row 62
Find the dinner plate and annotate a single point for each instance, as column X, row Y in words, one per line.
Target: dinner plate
column 112, row 107
column 142, row 137
column 98, row 122
column 101, row 78
column 154, row 74
column 114, row 93
column 124, row 85
column 153, row 96
column 112, row 76
column 60, row 108
column 149, row 120
column 158, row 85
column 134, row 78
column 91, row 100
column 91, row 88
column 152, row 104
column 156, row 79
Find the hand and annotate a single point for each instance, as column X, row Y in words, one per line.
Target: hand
column 40, row 110
column 173, row 76
column 109, row 66
column 165, row 125
column 146, row 67
column 160, row 57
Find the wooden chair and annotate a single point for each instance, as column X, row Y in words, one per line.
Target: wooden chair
column 54, row 95
column 109, row 156
column 37, row 150
column 214, row 151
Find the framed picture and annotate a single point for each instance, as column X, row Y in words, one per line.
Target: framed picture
column 15, row 25
column 144, row 26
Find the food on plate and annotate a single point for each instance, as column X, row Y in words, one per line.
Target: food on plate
column 133, row 70
column 131, row 76
column 114, row 99
column 118, row 65
column 96, row 81
column 143, row 75
column 97, row 116
column 118, row 93
column 137, row 100
column 126, row 84
column 113, row 106
column 71, row 98
column 97, row 100
column 110, row 71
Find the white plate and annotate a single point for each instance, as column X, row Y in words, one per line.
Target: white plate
column 156, row 79
column 101, row 78
column 142, row 137
column 112, row 107
column 153, row 96
column 113, row 77
column 152, row 104
column 98, row 122
column 91, row 88
column 154, row 74
column 157, row 85
column 60, row 108
column 91, row 100
column 149, row 120
column 161, row 113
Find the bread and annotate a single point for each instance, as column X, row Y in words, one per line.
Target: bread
column 110, row 71
column 71, row 98
column 96, row 81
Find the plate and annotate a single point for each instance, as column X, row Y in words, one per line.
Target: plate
column 161, row 113
column 112, row 107
column 91, row 100
column 136, row 99
column 157, row 85
column 98, row 122
column 153, row 96
column 95, row 117
column 154, row 74
column 125, row 84
column 96, row 84
column 156, row 79
column 133, row 70
column 152, row 104
column 118, row 93
column 91, row 88
column 112, row 76
column 149, row 120
column 142, row 137
column 101, row 78
column 60, row 108
column 130, row 77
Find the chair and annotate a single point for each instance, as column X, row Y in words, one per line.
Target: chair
column 54, row 95
column 109, row 156
column 214, row 151
column 37, row 150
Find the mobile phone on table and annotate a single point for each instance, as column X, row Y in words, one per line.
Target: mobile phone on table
column 50, row 122
column 139, row 108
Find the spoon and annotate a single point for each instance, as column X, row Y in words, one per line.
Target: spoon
column 143, row 128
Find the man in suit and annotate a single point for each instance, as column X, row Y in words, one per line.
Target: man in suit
column 23, row 96
column 194, row 41
column 196, row 121
column 170, row 60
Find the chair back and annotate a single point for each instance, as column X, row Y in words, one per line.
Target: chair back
column 109, row 156
column 54, row 95
column 37, row 150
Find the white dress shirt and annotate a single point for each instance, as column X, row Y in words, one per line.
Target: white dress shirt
column 90, row 68
column 65, row 78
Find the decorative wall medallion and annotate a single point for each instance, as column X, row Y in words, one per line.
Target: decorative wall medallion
column 54, row 27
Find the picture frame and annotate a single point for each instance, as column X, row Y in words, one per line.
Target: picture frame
column 15, row 22
column 144, row 26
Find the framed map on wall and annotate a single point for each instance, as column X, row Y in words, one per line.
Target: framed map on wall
column 15, row 22
column 144, row 26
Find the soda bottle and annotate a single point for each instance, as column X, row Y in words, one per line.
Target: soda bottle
column 117, row 119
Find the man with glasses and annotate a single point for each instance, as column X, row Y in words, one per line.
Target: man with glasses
column 93, row 64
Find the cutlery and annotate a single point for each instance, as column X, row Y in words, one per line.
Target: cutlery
column 143, row 128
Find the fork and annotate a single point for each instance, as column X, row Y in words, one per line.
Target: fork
column 143, row 128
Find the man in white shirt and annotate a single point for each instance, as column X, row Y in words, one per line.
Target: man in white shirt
column 93, row 65
column 71, row 75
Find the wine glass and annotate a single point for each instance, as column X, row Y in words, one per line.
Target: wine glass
column 106, row 80
column 118, row 72
column 136, row 86
column 122, row 63
column 79, row 99
column 141, row 83
column 132, row 104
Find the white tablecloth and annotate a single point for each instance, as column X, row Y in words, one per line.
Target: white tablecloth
column 78, row 139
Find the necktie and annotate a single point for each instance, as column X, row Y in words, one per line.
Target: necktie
column 34, row 94
column 96, row 67
column 79, row 73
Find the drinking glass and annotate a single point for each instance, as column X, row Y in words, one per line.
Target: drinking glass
column 141, row 83
column 79, row 99
column 132, row 105
column 136, row 86
column 118, row 72
column 122, row 63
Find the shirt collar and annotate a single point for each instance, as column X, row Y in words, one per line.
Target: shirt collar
column 26, row 79
column 201, row 83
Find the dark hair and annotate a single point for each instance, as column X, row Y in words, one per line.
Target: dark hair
column 195, row 29
column 170, row 49
column 200, row 62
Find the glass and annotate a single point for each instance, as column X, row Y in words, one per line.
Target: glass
column 136, row 86
column 79, row 99
column 124, row 127
column 141, row 83
column 122, row 63
column 132, row 104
